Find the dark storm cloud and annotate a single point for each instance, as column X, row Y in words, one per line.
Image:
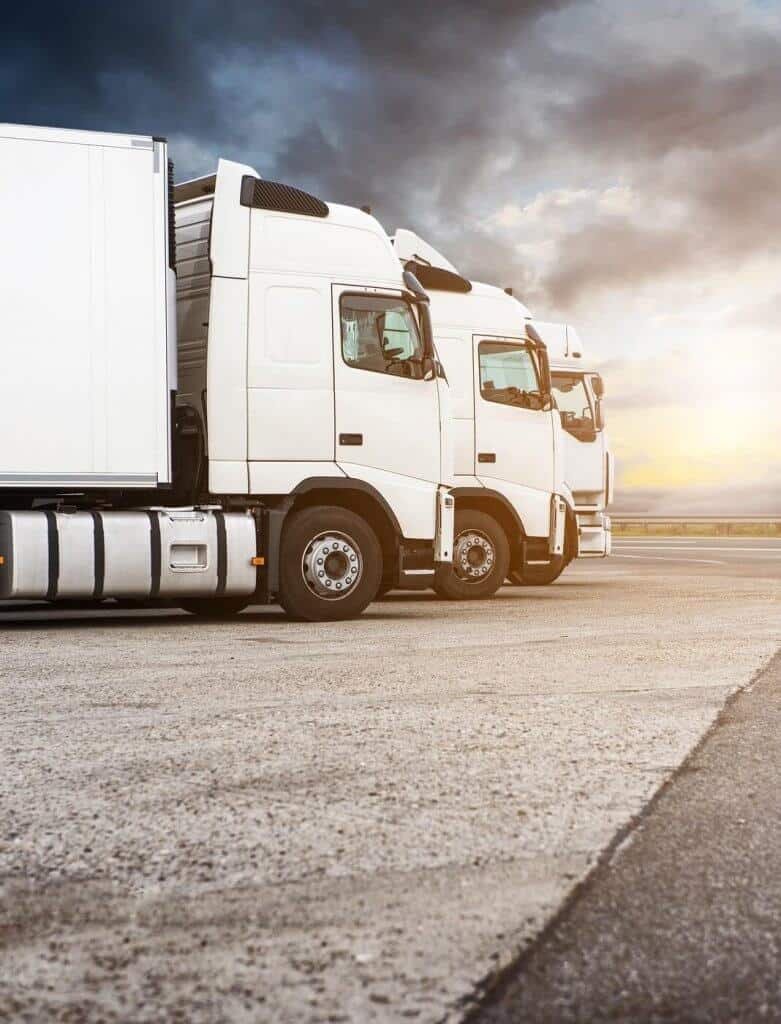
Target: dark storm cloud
column 427, row 109
column 395, row 105
column 729, row 213
column 107, row 65
column 651, row 109
column 613, row 252
column 684, row 132
column 434, row 114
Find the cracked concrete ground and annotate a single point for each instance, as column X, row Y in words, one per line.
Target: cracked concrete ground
column 268, row 821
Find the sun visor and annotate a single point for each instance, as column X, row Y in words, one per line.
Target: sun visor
column 410, row 246
column 437, row 279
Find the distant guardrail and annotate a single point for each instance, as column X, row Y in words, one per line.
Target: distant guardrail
column 722, row 526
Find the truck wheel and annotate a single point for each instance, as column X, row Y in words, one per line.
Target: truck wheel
column 540, row 575
column 215, row 607
column 330, row 564
column 481, row 558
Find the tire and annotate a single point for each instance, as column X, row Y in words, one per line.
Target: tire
column 453, row 582
column 542, row 575
column 385, row 588
column 320, row 548
column 215, row 607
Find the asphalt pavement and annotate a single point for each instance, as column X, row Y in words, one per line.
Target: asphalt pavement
column 260, row 820
column 733, row 556
column 683, row 922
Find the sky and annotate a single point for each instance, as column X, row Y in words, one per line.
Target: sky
column 616, row 163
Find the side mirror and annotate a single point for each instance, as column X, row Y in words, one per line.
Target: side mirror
column 599, row 416
column 419, row 296
column 546, row 384
column 428, row 330
column 598, row 385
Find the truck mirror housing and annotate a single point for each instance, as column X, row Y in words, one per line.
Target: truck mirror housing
column 428, row 331
column 420, row 297
column 599, row 416
column 598, row 385
column 546, row 385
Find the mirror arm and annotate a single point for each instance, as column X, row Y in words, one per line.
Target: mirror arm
column 546, row 382
column 428, row 330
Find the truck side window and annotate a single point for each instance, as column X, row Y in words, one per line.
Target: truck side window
column 508, row 375
column 380, row 333
column 573, row 403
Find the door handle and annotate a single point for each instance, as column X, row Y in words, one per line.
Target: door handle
column 486, row 456
column 351, row 439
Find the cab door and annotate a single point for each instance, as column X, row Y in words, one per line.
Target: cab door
column 387, row 413
column 584, row 444
column 514, row 446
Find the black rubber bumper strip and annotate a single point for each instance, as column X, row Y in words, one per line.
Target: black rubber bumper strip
column 155, row 550
column 53, row 537
column 222, row 554
column 99, row 555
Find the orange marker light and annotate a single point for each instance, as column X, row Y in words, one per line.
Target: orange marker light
column 258, row 560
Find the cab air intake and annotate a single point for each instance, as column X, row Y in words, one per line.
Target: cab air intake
column 260, row 194
column 171, row 217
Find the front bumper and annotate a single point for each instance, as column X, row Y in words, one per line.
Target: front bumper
column 594, row 534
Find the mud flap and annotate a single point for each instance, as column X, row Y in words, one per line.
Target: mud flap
column 446, row 511
column 558, row 523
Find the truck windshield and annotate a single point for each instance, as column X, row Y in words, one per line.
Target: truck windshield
column 577, row 416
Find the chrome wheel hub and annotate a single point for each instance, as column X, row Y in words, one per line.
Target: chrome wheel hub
column 332, row 565
column 473, row 556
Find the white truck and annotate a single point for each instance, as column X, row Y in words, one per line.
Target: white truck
column 243, row 407
column 589, row 465
column 514, row 512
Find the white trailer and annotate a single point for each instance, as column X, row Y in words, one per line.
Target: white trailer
column 292, row 446
column 590, row 470
column 514, row 513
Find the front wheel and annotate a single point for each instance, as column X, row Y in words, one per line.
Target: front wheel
column 330, row 564
column 481, row 558
column 541, row 575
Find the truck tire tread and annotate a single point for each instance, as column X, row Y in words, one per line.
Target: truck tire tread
column 449, row 586
column 300, row 528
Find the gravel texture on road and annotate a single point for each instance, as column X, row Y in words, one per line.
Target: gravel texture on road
column 269, row 821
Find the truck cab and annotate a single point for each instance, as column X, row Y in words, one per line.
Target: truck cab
column 578, row 390
column 514, row 512
column 306, row 366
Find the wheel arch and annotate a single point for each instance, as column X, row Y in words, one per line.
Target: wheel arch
column 359, row 497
